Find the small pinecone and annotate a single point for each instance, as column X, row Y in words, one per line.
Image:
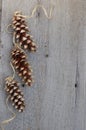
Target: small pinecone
column 21, row 32
column 16, row 96
column 19, row 61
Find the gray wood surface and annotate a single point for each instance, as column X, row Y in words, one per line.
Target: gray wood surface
column 57, row 99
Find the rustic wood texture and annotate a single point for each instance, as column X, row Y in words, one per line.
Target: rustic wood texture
column 57, row 99
column 0, row 18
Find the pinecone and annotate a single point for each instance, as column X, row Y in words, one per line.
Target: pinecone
column 19, row 61
column 22, row 36
column 16, row 96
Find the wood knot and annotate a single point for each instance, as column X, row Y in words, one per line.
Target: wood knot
column 23, row 85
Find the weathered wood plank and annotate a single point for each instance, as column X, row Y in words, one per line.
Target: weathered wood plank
column 80, row 106
column 30, row 118
column 57, row 99
column 58, row 104
column 64, row 105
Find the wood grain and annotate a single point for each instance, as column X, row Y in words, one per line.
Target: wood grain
column 57, row 99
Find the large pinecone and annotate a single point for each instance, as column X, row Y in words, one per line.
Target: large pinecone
column 16, row 96
column 22, row 37
column 19, row 61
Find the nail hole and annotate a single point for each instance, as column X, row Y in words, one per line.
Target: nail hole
column 75, row 85
column 23, row 85
column 46, row 55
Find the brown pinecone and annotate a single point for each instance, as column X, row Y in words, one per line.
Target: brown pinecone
column 19, row 61
column 16, row 96
column 22, row 37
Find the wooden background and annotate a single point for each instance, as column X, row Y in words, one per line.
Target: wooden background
column 57, row 99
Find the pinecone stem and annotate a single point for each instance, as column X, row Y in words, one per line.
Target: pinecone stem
column 14, row 115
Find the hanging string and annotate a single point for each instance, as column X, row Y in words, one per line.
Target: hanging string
column 9, row 26
column 10, row 119
column 13, row 76
column 10, row 78
column 48, row 16
column 16, row 44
